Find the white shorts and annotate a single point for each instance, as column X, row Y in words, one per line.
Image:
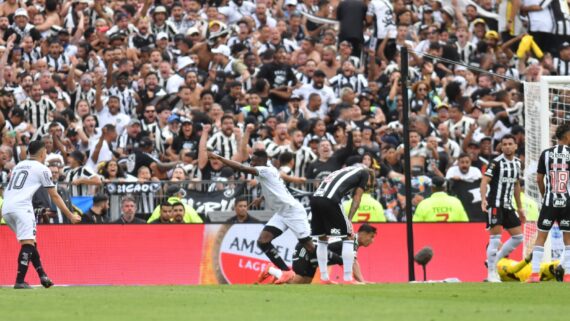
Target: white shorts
column 23, row 224
column 293, row 218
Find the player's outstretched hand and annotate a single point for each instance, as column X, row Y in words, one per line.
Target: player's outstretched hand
column 75, row 218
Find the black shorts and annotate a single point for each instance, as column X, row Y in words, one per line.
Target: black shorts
column 328, row 218
column 549, row 215
column 504, row 217
column 304, row 263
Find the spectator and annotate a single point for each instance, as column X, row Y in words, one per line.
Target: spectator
column 128, row 212
column 370, row 210
column 174, row 195
column 463, row 171
column 440, row 207
column 241, row 214
column 80, row 177
column 97, row 214
column 166, row 214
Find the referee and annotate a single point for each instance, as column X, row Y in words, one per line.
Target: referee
column 502, row 177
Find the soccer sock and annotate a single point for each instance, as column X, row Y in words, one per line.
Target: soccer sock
column 566, row 260
column 275, row 272
column 322, row 259
column 537, row 254
column 26, row 253
column 509, row 246
column 273, row 255
column 494, row 241
column 37, row 262
column 347, row 258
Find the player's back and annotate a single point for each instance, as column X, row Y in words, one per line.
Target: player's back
column 339, row 183
column 554, row 163
column 26, row 178
column 276, row 194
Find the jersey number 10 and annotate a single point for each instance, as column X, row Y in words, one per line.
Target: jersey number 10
column 18, row 180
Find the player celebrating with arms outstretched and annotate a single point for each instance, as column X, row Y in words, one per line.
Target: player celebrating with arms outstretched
column 554, row 167
column 26, row 178
column 503, row 176
column 289, row 213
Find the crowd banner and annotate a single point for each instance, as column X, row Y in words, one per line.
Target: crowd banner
column 228, row 254
column 123, row 188
column 217, row 200
column 469, row 193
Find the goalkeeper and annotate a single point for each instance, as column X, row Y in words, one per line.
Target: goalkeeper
column 511, row 270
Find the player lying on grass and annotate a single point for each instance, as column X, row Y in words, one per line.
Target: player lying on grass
column 305, row 263
column 511, row 270
column 289, row 213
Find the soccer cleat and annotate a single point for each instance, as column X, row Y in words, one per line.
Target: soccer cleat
column 493, row 277
column 46, row 282
column 22, row 285
column 328, row 282
column 566, row 278
column 263, row 275
column 533, row 278
column 285, row 277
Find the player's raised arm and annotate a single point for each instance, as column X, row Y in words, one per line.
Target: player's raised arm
column 74, row 218
column 233, row 164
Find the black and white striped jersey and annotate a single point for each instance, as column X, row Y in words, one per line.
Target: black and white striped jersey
column 357, row 82
column 504, row 174
column 126, row 99
column 80, row 94
column 303, row 157
column 76, row 173
column 227, row 146
column 57, row 63
column 340, row 183
column 37, row 111
column 562, row 67
column 554, row 164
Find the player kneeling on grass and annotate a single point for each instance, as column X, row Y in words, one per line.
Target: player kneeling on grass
column 305, row 263
column 552, row 179
column 26, row 178
column 511, row 270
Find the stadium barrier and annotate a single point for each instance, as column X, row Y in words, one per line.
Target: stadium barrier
column 190, row 254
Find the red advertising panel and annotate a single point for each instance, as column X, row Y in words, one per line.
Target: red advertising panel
column 110, row 254
column 227, row 254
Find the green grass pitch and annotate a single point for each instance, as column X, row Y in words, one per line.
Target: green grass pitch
column 461, row 301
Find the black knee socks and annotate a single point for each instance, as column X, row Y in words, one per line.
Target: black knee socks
column 24, row 258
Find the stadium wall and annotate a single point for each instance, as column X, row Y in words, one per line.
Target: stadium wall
column 222, row 254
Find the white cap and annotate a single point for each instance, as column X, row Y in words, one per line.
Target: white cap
column 222, row 49
column 192, row 30
column 54, row 157
column 291, row 2
column 159, row 9
column 21, row 12
column 161, row 35
column 183, row 62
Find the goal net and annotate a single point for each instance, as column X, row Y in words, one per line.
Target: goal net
column 547, row 105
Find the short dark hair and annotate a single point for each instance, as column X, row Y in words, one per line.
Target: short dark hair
column 463, row 155
column 561, row 130
column 241, row 199
column 509, row 136
column 367, row 228
column 35, row 147
column 261, row 154
column 227, row 116
column 285, row 158
column 177, row 204
column 164, row 204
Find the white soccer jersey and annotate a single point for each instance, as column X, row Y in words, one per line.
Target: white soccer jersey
column 26, row 178
column 277, row 197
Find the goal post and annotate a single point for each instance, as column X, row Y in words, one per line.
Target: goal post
column 547, row 105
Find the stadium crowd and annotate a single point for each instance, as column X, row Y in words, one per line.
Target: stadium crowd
column 127, row 90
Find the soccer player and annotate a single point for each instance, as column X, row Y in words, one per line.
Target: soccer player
column 289, row 213
column 511, row 270
column 26, row 178
column 305, row 263
column 329, row 219
column 502, row 177
column 552, row 178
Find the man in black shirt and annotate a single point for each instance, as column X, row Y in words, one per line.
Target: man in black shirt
column 242, row 216
column 129, row 210
column 281, row 78
column 328, row 161
column 97, row 214
column 143, row 157
column 165, row 214
column 352, row 14
column 329, row 219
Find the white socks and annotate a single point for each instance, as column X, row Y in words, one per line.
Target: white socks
column 494, row 241
column 322, row 259
column 509, row 246
column 347, row 258
column 537, row 254
column 277, row 273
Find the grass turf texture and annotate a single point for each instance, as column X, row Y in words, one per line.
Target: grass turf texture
column 463, row 301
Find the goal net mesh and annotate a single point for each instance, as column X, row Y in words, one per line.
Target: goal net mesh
column 547, row 105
